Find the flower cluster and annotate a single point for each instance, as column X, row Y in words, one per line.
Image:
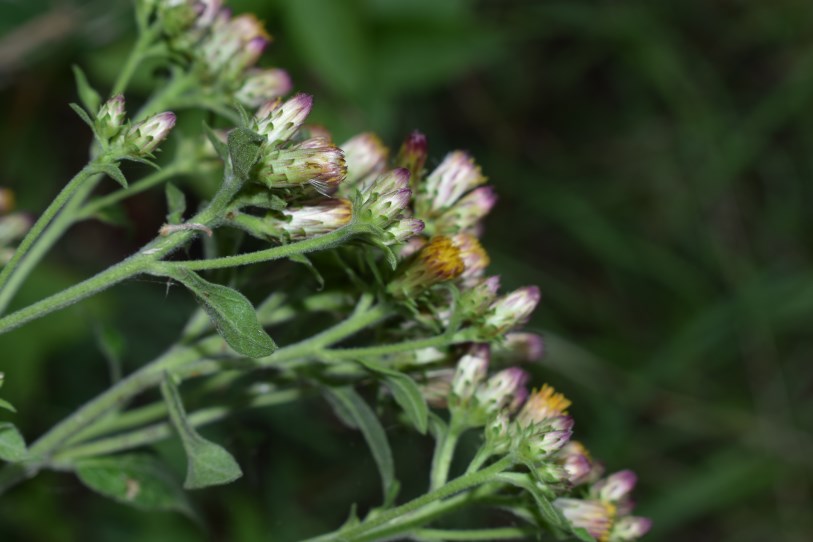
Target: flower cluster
column 134, row 140
column 223, row 49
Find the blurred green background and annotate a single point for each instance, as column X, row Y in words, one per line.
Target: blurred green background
column 654, row 162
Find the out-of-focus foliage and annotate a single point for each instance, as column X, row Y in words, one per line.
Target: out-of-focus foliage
column 653, row 162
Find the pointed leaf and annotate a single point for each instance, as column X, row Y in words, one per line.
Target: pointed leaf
column 82, row 115
column 139, row 480
column 12, row 444
column 232, row 315
column 244, row 151
column 365, row 419
column 405, row 391
column 87, row 95
column 304, row 260
column 209, row 464
column 7, row 406
column 113, row 171
column 176, row 204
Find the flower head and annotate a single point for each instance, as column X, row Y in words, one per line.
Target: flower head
column 630, row 528
column 455, row 176
column 524, row 346
column 313, row 161
column 310, row 220
column 468, row 211
column 511, row 310
column 111, row 117
column 143, row 138
column 366, row 158
column 475, row 258
column 279, row 121
column 543, row 405
column 263, row 85
column 616, row 487
column 438, row 261
column 470, row 373
column 412, row 154
column 504, row 390
column 594, row 515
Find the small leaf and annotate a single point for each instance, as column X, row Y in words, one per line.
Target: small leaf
column 209, row 464
column 87, row 95
column 354, row 407
column 82, row 115
column 304, row 260
column 221, row 148
column 176, row 203
column 12, row 444
column 244, row 151
column 232, row 315
column 8, row 406
column 113, row 171
column 405, row 391
column 139, row 480
column 115, row 215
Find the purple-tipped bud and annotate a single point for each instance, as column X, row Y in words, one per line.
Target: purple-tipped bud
column 479, row 297
column 311, row 220
column 261, row 86
column 513, row 309
column 455, row 176
column 233, row 45
column 468, row 212
column 111, row 117
column 280, row 122
column 524, row 346
column 502, row 389
column 6, row 200
column 630, row 528
column 366, row 158
column 595, row 516
column 313, row 161
column 615, row 487
column 578, row 469
column 404, row 229
column 207, row 12
column 396, row 179
column 471, row 371
column 412, row 154
column 145, row 136
column 437, row 387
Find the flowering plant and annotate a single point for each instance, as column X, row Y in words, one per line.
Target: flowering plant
column 395, row 248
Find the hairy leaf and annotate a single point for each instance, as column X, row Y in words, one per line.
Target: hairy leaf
column 176, row 204
column 244, row 151
column 87, row 95
column 405, row 391
column 12, row 444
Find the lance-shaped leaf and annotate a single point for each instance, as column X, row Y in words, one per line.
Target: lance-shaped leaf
column 352, row 409
column 139, row 480
column 176, row 204
column 209, row 464
column 405, row 391
column 12, row 444
column 304, row 260
column 87, row 95
column 232, row 315
column 244, row 151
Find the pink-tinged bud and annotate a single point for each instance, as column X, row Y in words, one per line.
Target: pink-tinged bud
column 630, row 528
column 502, row 390
column 280, row 122
column 524, row 346
column 366, row 158
column 455, row 176
column 234, row 45
column 260, row 86
column 512, row 310
column 311, row 220
column 404, row 229
column 542, row 406
column 498, row 434
column 412, row 154
column 387, row 207
column 471, row 371
column 478, row 298
column 475, row 258
column 313, row 161
column 396, row 179
column 438, row 261
column 145, row 136
column 207, row 12
column 595, row 516
column 615, row 487
column 544, row 444
column 6, row 200
column 111, row 117
column 577, row 463
column 468, row 212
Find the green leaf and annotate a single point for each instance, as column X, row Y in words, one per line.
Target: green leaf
column 232, row 315
column 113, row 171
column 8, row 406
column 582, row 534
column 12, row 444
column 244, row 151
column 209, row 464
column 139, row 480
column 405, row 391
column 352, row 407
column 221, row 148
column 112, row 346
column 87, row 95
column 304, row 260
column 176, row 204
column 82, row 115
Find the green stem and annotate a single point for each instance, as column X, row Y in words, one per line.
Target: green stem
column 394, row 348
column 455, row 486
column 137, row 55
column 444, row 453
column 11, row 281
column 497, row 533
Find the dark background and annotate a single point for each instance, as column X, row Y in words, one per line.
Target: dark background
column 654, row 165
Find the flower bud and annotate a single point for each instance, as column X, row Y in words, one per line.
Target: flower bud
column 476, row 299
column 145, row 136
column 541, row 440
column 280, row 121
column 498, row 434
column 438, row 261
column 475, row 258
column 595, row 516
column 111, row 117
column 511, row 310
column 311, row 220
column 437, row 387
column 467, row 212
column 471, row 371
column 6, row 200
column 234, row 45
column 313, row 161
column 576, row 461
column 366, row 158
column 455, row 176
column 630, row 528
column 615, row 487
column 412, row 155
column 523, row 346
column 505, row 389
column 542, row 406
column 262, row 85
column 404, row 229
